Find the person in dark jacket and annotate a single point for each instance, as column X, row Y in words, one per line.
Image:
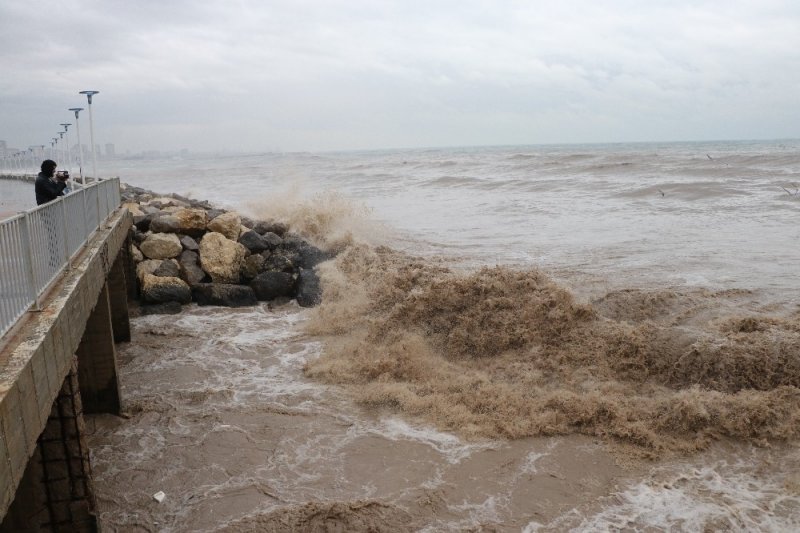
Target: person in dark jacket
column 49, row 186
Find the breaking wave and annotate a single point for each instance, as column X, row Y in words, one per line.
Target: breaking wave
column 509, row 353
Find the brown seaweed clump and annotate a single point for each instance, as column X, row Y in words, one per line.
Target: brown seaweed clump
column 508, row 353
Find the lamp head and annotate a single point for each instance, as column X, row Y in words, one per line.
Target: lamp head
column 89, row 95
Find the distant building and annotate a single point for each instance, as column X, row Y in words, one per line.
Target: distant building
column 3, row 148
column 110, row 151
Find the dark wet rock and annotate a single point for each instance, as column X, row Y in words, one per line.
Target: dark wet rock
column 273, row 239
column 310, row 256
column 214, row 213
column 278, row 228
column 159, row 290
column 167, row 308
column 142, row 222
column 139, row 236
column 254, row 242
column 189, row 244
column 248, row 222
column 222, row 294
column 189, row 202
column 309, row 289
column 293, row 242
column 165, row 224
column 189, row 265
column 252, row 267
column 271, row 285
column 167, row 269
column 278, row 262
column 303, row 253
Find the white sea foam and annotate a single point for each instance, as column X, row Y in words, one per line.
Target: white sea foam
column 716, row 497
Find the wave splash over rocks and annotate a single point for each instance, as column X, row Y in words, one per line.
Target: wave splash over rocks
column 507, row 353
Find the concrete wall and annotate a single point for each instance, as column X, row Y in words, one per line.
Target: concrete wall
column 37, row 362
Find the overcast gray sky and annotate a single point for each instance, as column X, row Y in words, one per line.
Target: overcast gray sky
column 353, row 74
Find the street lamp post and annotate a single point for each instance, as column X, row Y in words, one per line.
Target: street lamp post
column 69, row 150
column 77, row 110
column 89, row 95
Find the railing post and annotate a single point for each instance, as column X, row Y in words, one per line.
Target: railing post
column 28, row 257
column 96, row 185
column 85, row 216
column 66, row 232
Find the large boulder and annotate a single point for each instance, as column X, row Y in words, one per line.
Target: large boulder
column 278, row 262
column 253, row 266
column 271, row 285
column 161, row 246
column 225, row 295
column 309, row 289
column 228, row 224
column 254, row 242
column 311, row 256
column 277, row 228
column 221, row 257
column 189, row 244
column 164, row 223
column 158, row 290
column 189, row 266
column 142, row 222
column 167, row 269
column 136, row 254
column 191, row 222
column 166, row 201
column 148, row 266
column 303, row 253
column 214, row 213
column 272, row 239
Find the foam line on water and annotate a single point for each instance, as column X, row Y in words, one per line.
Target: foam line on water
column 448, row 445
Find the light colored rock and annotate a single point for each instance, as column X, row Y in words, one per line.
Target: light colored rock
column 148, row 266
column 158, row 290
column 228, row 224
column 134, row 208
column 171, row 209
column 136, row 254
column 161, row 246
column 192, row 222
column 221, row 257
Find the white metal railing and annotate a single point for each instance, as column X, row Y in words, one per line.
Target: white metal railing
column 37, row 245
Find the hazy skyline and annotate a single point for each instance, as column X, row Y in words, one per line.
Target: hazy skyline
column 326, row 75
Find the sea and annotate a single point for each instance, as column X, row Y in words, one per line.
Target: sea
column 409, row 403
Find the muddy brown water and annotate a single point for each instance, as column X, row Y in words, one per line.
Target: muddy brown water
column 221, row 419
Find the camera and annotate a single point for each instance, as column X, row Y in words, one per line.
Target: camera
column 62, row 175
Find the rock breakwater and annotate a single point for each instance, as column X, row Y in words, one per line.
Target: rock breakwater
column 187, row 250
